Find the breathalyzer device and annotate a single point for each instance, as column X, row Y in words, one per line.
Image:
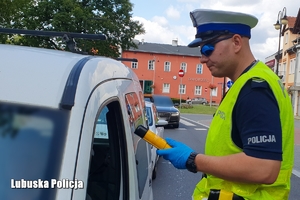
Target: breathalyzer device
column 151, row 138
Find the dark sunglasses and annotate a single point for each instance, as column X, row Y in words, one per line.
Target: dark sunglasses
column 208, row 48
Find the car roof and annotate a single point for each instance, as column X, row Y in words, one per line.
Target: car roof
column 38, row 76
column 149, row 104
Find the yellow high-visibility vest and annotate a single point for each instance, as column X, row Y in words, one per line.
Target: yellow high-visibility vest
column 219, row 141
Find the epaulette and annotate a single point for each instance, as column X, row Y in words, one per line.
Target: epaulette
column 259, row 83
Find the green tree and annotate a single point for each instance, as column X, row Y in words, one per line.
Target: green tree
column 8, row 10
column 112, row 18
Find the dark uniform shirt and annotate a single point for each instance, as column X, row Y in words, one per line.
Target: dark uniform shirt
column 256, row 124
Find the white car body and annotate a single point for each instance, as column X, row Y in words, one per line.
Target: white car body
column 156, row 126
column 50, row 102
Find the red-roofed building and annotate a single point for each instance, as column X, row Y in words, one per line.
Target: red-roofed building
column 158, row 70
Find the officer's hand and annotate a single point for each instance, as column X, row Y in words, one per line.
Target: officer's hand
column 177, row 155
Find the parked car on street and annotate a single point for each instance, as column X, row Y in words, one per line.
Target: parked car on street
column 156, row 125
column 165, row 109
column 197, row 100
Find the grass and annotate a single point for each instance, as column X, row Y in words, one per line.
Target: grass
column 199, row 109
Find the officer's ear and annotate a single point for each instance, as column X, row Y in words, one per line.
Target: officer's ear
column 237, row 42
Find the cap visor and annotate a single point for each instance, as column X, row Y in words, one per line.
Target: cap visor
column 195, row 43
column 199, row 41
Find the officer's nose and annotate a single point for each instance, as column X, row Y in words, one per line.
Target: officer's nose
column 203, row 59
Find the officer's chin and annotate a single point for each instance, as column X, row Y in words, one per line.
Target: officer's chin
column 215, row 73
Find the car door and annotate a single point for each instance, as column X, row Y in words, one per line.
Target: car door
column 103, row 154
column 143, row 155
column 108, row 158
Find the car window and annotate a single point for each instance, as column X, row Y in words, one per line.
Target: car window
column 149, row 116
column 107, row 155
column 147, row 99
column 163, row 101
column 101, row 126
column 31, row 144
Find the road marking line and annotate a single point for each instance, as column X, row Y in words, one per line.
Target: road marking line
column 296, row 173
column 186, row 123
column 180, row 129
column 200, row 129
column 194, row 122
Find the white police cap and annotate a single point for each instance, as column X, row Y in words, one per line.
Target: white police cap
column 214, row 23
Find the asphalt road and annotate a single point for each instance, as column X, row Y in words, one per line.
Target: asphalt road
column 174, row 184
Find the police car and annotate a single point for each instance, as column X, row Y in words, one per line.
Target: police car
column 67, row 126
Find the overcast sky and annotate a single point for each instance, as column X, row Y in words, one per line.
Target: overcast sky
column 165, row 20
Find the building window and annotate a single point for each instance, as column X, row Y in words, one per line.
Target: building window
column 151, row 65
column 183, row 66
column 279, row 69
column 181, row 89
column 292, row 66
column 286, row 37
column 166, row 88
column 199, row 69
column 214, row 92
column 134, row 65
column 284, row 68
column 198, row 90
column 167, row 67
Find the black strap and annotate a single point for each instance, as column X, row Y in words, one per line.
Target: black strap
column 215, row 194
column 237, row 197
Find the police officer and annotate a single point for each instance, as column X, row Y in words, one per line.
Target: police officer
column 249, row 147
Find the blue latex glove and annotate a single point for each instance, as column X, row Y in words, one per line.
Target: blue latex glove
column 177, row 155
